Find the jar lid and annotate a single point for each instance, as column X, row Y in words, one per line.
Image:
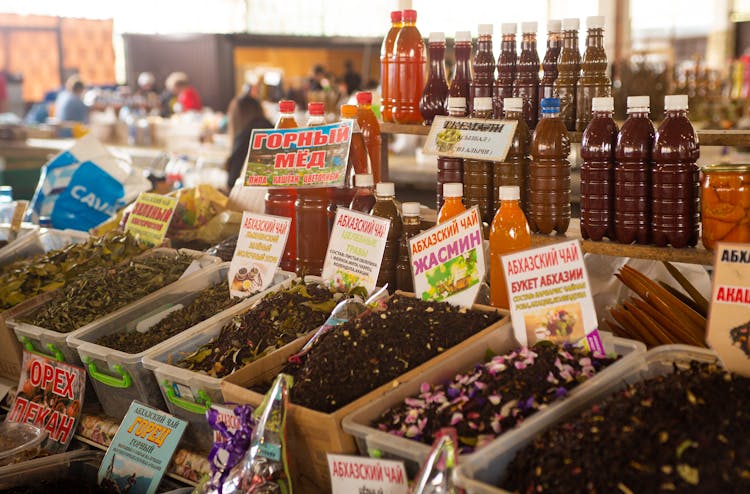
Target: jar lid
column 675, row 102
column 485, row 30
column 571, row 24
column 603, row 104
column 550, row 105
column 639, row 102
column 458, row 102
column 528, row 27
column 410, row 15
column 510, row 193
column 453, row 189
column 411, row 209
column 364, row 97
column 286, row 106
column 363, row 180
column 396, row 16
column 316, row 108
column 726, row 168
column 348, row 111
column 554, row 25
column 595, row 22
column 436, row 37
column 463, row 36
column 514, row 104
column 483, row 103
column 508, row 28
column 385, row 189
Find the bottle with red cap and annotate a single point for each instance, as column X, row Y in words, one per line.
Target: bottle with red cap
column 370, row 131
column 506, row 69
column 388, row 66
column 484, row 67
column 410, row 68
column 435, row 95
column 526, row 85
column 459, row 87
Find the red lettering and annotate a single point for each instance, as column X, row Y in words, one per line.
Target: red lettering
column 289, row 139
column 320, row 139
column 317, row 160
column 274, row 141
column 305, row 139
column 65, row 429
column 258, row 140
column 31, row 412
column 300, row 162
column 285, row 160
column 19, row 407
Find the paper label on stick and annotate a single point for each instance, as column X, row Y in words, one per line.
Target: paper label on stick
column 470, row 138
column 150, row 217
column 352, row 474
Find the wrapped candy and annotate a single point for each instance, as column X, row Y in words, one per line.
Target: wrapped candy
column 230, row 450
column 436, row 475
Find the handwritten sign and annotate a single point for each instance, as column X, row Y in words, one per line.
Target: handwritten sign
column 141, row 450
column 355, row 249
column 447, row 261
column 729, row 314
column 304, row 157
column 50, row 396
column 260, row 246
column 366, row 475
column 550, row 297
column 150, row 217
column 470, row 138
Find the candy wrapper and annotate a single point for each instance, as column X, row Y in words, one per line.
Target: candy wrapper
column 436, row 476
column 234, row 443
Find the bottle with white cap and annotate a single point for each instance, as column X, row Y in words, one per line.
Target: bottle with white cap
column 449, row 168
column 483, row 66
column 385, row 207
column 515, row 168
column 364, row 197
column 509, row 233
column 598, row 172
column 633, row 153
column 549, row 63
column 478, row 173
column 568, row 68
column 676, row 183
column 526, row 85
column 594, row 82
column 506, row 68
column 435, row 94
column 459, row 87
column 453, row 206
column 412, row 226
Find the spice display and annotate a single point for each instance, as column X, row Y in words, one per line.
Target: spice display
column 209, row 302
column 276, row 320
column 378, row 347
column 683, row 432
column 494, row 396
column 725, row 204
column 26, row 278
column 104, row 290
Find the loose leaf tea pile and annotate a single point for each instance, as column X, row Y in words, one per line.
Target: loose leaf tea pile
column 209, row 302
column 683, row 432
column 495, row 396
column 104, row 290
column 27, row 278
column 279, row 318
column 360, row 355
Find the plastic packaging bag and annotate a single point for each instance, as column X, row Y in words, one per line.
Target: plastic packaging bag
column 436, row 475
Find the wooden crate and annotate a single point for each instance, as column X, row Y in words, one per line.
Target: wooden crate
column 10, row 347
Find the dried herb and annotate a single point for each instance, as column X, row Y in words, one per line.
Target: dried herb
column 26, row 278
column 277, row 319
column 101, row 291
column 209, row 302
column 683, row 432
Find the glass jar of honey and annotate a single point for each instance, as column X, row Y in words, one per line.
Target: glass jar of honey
column 725, row 204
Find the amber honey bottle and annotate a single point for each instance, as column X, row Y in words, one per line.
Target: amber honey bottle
column 549, row 63
column 594, row 82
column 412, row 226
column 450, row 169
column 478, row 173
column 514, row 169
column 385, row 207
column 483, row 67
column 506, row 69
column 568, row 68
column 434, row 100
column 526, row 85
column 459, row 87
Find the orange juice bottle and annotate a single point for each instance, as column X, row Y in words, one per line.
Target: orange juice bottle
column 453, row 206
column 509, row 233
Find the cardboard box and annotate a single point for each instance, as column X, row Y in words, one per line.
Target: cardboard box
column 10, row 347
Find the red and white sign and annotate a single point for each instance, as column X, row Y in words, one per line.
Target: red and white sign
column 359, row 474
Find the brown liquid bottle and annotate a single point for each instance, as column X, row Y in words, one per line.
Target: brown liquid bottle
column 357, row 162
column 515, row 169
column 676, row 200
column 449, row 169
column 435, row 95
column 549, row 177
column 388, row 67
column 598, row 172
column 478, row 173
column 412, row 226
column 385, row 207
column 483, row 66
column 364, row 197
column 368, row 122
column 594, row 82
column 549, row 64
column 459, row 87
column 633, row 152
column 526, row 85
column 411, row 58
column 506, row 69
column 568, row 67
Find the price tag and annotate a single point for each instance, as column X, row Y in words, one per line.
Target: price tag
column 18, row 213
column 729, row 313
column 550, row 297
column 470, row 138
column 447, row 261
column 150, row 217
column 359, row 474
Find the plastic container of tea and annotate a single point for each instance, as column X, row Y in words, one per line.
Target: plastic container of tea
column 19, row 442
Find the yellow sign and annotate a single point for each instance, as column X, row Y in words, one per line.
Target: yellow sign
column 150, row 217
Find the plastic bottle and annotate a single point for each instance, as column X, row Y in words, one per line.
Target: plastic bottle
column 453, row 205
column 568, row 67
column 281, row 201
column 450, row 169
column 388, row 67
column 484, row 67
column 358, row 162
column 435, row 94
column 509, row 233
column 549, row 177
column 368, row 122
column 594, row 82
column 364, row 197
column 459, row 87
column 633, row 153
column 549, row 64
column 676, row 182
column 515, row 169
column 478, row 173
column 526, row 85
column 6, row 204
column 412, row 226
column 598, row 172
column 411, row 58
column 385, row 207
column 506, row 68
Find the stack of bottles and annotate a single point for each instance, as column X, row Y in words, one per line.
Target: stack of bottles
column 402, row 61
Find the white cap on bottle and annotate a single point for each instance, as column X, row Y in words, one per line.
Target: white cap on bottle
column 510, row 193
column 595, row 22
column 638, row 102
column 528, row 27
column 554, row 25
column 457, row 102
column 508, row 28
column 603, row 104
column 411, row 209
column 675, row 102
column 437, row 37
column 363, row 180
column 485, row 29
column 385, row 189
column 453, row 189
column 515, row 104
column 571, row 24
column 463, row 36
column 483, row 103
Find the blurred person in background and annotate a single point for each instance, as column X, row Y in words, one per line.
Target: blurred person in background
column 179, row 95
column 145, row 97
column 352, row 78
column 244, row 114
column 69, row 105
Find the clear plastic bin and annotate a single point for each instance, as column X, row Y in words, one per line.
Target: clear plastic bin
column 479, row 474
column 119, row 377
column 26, row 243
column 53, row 345
column 19, row 442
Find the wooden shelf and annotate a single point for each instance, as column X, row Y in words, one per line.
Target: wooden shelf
column 391, row 128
